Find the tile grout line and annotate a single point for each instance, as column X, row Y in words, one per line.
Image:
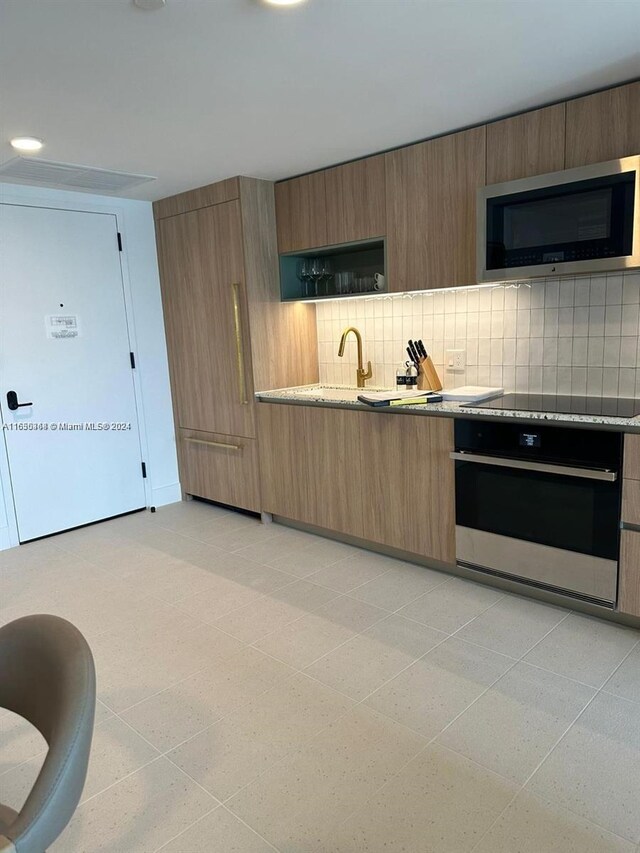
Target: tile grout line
column 597, row 692
column 434, row 739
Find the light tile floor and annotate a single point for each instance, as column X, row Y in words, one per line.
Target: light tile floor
column 264, row 689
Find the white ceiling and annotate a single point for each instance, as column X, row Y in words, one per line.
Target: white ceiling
column 205, row 89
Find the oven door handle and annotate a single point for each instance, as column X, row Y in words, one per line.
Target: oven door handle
column 521, row 464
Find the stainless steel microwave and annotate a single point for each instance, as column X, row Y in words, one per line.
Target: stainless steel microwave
column 576, row 221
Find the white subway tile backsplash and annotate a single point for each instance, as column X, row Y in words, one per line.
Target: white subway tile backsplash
column 510, row 323
column 613, row 295
column 597, row 293
column 630, row 320
column 629, row 351
column 612, row 352
column 582, row 289
column 565, row 322
column 550, row 351
column 594, row 381
column 627, row 382
column 631, row 288
column 551, row 322
column 596, row 320
column 536, row 352
column 551, row 293
column 595, row 353
column 522, row 352
column 578, row 383
column 568, row 336
column 567, row 293
column 613, row 320
column 564, row 380
column 579, row 352
column 565, row 352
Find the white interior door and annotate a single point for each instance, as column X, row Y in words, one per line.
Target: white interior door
column 74, row 451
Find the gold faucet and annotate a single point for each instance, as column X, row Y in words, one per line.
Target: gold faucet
column 361, row 374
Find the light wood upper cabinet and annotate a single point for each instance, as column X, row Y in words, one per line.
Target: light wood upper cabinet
column 301, row 213
column 355, row 196
column 525, row 145
column 202, row 272
column 310, row 465
column 409, row 506
column 604, row 126
column 431, row 211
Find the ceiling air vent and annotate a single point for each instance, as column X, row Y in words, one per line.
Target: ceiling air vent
column 67, row 176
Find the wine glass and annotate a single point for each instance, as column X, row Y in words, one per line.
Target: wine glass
column 317, row 273
column 326, row 273
column 303, row 272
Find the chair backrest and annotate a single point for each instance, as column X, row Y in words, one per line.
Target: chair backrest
column 47, row 676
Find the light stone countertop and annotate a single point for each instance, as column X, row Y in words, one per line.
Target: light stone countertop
column 345, row 397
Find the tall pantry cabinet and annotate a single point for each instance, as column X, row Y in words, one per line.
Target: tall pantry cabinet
column 228, row 334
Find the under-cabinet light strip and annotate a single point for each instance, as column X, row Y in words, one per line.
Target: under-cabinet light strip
column 409, row 294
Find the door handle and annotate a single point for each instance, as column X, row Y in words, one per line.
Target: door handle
column 237, row 327
column 542, row 467
column 12, row 401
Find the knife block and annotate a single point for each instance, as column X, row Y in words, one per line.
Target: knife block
column 428, row 379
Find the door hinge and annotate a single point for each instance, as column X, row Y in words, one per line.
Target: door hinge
column 144, row 470
column 133, row 361
column 119, row 241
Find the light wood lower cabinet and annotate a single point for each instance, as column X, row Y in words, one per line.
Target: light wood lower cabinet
column 629, row 588
column 310, row 465
column 386, row 478
column 631, row 502
column 408, row 483
column 632, row 457
column 220, row 468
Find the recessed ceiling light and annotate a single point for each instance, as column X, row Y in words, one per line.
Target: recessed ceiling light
column 149, row 5
column 283, row 2
column 26, row 143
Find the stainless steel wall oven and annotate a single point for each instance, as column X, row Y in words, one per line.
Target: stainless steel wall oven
column 540, row 505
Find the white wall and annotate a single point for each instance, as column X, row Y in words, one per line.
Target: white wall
column 144, row 312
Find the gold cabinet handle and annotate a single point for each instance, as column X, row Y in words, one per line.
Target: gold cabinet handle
column 215, row 443
column 242, row 383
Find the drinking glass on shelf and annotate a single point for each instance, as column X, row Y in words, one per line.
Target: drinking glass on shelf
column 303, row 272
column 327, row 274
column 317, row 273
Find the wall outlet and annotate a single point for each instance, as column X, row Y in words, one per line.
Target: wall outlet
column 456, row 359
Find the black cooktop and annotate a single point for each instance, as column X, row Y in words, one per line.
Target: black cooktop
column 610, row 407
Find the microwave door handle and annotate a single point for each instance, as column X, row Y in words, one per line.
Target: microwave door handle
column 542, row 467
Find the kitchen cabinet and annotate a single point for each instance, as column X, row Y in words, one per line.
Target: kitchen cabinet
column 528, row 144
column 431, row 211
column 228, row 334
column 346, row 471
column 301, row 213
column 220, row 467
column 603, row 126
column 310, row 465
column 632, row 456
column 201, row 260
column 344, row 204
column 408, row 483
column 631, row 502
column 355, row 197
column 629, row 588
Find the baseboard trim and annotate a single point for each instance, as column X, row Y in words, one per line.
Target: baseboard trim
column 164, row 495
